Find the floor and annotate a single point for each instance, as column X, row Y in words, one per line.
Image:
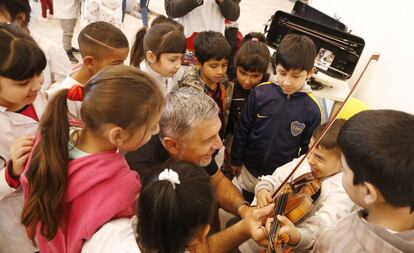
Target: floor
column 252, row 18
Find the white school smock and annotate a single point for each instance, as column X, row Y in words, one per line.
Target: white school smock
column 166, row 84
column 13, row 236
column 73, row 106
column 206, row 17
column 58, row 65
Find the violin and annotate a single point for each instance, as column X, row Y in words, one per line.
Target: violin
column 294, row 201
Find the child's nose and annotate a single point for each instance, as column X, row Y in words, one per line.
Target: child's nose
column 221, row 71
column 38, row 82
column 311, row 161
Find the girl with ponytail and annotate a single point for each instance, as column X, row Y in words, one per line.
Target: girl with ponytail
column 76, row 180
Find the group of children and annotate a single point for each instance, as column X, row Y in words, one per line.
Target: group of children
column 63, row 147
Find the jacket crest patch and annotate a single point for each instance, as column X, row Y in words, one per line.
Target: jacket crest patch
column 296, row 128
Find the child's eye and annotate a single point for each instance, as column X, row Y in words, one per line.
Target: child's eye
column 213, row 66
column 24, row 83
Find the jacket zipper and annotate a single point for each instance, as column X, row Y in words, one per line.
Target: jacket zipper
column 275, row 129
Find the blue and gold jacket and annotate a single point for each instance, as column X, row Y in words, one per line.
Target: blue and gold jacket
column 274, row 128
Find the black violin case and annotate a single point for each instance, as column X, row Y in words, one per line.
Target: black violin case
column 338, row 51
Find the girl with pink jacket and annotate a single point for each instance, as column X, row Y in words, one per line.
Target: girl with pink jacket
column 76, row 180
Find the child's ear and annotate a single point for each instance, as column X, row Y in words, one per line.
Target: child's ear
column 115, row 135
column 171, row 146
column 371, row 193
column 21, row 19
column 197, row 63
column 151, row 57
column 311, row 72
column 89, row 62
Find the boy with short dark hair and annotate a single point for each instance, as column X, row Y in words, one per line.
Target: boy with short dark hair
column 251, row 66
column 378, row 164
column 278, row 118
column 212, row 52
column 101, row 44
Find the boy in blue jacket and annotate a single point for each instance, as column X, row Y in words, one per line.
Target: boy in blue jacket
column 279, row 117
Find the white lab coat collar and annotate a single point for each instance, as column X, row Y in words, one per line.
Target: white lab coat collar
column 18, row 119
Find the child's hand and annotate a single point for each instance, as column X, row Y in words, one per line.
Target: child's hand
column 289, row 229
column 20, row 151
column 264, row 198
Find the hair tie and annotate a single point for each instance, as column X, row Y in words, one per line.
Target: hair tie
column 75, row 93
column 254, row 39
column 171, row 176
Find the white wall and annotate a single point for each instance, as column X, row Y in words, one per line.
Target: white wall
column 387, row 28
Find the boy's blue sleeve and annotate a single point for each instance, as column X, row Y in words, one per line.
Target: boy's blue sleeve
column 314, row 122
column 242, row 132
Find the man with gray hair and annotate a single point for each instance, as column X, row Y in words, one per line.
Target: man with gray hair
column 189, row 131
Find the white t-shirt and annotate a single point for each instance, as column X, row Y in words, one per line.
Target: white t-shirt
column 206, row 17
column 66, row 9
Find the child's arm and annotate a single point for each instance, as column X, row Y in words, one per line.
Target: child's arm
column 268, row 184
column 335, row 204
column 230, row 9
column 241, row 135
column 179, row 8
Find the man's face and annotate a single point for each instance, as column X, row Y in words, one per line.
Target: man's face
column 200, row 142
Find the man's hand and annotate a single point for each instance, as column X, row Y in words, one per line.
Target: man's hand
column 253, row 222
column 264, row 198
column 20, row 151
column 245, row 210
column 289, row 229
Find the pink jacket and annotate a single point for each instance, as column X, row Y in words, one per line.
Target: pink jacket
column 101, row 187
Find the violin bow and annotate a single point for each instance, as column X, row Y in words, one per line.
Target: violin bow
column 331, row 121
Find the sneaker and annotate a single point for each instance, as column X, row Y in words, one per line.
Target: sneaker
column 72, row 58
column 75, row 50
